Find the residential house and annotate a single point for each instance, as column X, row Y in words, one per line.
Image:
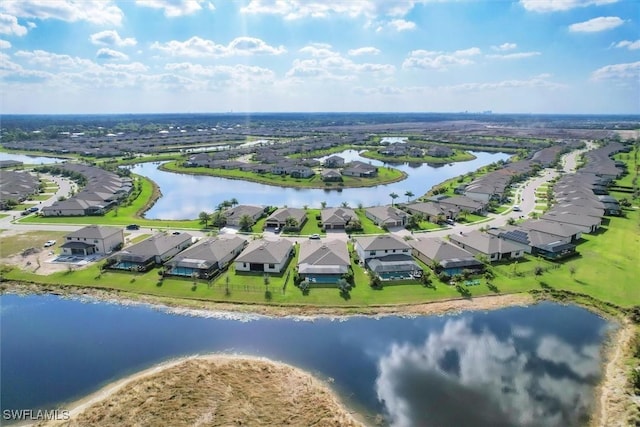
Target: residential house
column 268, row 256
column 330, row 175
column 567, row 233
column 301, row 172
column 360, row 169
column 587, row 224
column 334, row 162
column 323, row 261
column 433, row 211
column 336, row 218
column 444, row 256
column 493, row 247
column 539, row 243
column 279, row 217
column 387, row 216
column 93, row 239
column 155, row 250
column 235, row 213
column 439, row 151
column 464, row 203
column 205, row 258
column 368, row 247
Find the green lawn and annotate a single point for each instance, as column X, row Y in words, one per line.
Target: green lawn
column 368, row 227
column 469, row 218
column 311, row 226
column 458, row 156
column 41, row 197
column 627, row 180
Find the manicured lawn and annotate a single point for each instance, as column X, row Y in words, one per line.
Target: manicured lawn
column 368, row 227
column 311, row 226
column 627, row 180
column 469, row 218
column 501, row 209
column 41, row 197
column 428, row 225
column 458, row 156
column 3, row 215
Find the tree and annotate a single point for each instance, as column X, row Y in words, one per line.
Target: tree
column 218, row 219
column 234, row 202
column 393, row 196
column 409, row 195
column 246, row 222
column 511, row 221
column 323, row 204
column 291, row 223
column 345, row 204
column 204, row 217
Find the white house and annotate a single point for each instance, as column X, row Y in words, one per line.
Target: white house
column 93, row 239
column 369, row 247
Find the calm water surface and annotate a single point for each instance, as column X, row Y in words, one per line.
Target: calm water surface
column 534, row 366
column 30, row 160
column 185, row 196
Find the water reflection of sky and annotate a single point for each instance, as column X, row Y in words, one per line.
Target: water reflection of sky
column 466, row 374
column 185, row 196
column 30, row 160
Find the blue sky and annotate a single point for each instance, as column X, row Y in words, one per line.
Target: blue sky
column 134, row 56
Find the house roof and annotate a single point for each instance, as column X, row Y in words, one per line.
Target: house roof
column 574, row 219
column 266, row 252
column 337, row 215
column 327, row 256
column 387, row 213
column 155, row 245
column 486, row 243
column 208, row 252
column 430, row 208
column 281, row 215
column 462, row 202
column 240, row 210
column 442, row 251
column 94, row 232
column 533, row 238
column 77, row 245
column 551, row 227
column 393, row 263
column 381, row 242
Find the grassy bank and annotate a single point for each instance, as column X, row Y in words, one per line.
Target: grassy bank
column 458, row 156
column 385, row 176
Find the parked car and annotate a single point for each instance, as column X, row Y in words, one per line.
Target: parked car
column 315, row 237
column 276, row 230
column 133, row 227
column 32, row 209
column 450, row 221
column 516, row 208
column 49, row 243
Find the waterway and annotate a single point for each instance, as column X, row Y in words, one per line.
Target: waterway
column 30, row 160
column 517, row 366
column 185, row 196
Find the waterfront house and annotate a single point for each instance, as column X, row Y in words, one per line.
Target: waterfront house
column 538, row 243
column 386, row 216
column 360, row 169
column 493, row 247
column 444, row 256
column 205, row 258
column 566, row 232
column 334, row 162
column 279, row 217
column 235, row 213
column 268, row 256
column 336, row 218
column 155, row 250
column 323, row 261
column 93, row 239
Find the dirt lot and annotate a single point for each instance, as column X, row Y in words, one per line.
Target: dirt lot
column 25, row 250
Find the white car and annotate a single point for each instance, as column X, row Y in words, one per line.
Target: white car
column 517, row 208
column 49, row 243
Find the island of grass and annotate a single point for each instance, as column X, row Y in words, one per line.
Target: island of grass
column 456, row 156
column 385, row 175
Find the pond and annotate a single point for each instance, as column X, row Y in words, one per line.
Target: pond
column 516, row 366
column 30, row 160
column 185, row 196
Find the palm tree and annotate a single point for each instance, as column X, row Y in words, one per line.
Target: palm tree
column 246, row 222
column 234, row 202
column 345, row 204
column 323, row 205
column 204, row 218
column 409, row 195
column 393, row 196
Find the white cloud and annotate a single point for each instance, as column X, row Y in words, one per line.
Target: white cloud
column 318, row 50
column 368, row 50
column 560, row 5
column 628, row 44
column 111, row 55
column 5, row 44
column 199, row 47
column 505, row 47
column 626, row 71
column 101, row 12
column 53, row 60
column 9, row 25
column 336, row 68
column 540, row 81
column 515, row 55
column 133, row 67
column 601, row 23
column 296, row 9
column 174, row 8
column 111, row 38
column 222, row 77
column 402, row 25
column 423, row 59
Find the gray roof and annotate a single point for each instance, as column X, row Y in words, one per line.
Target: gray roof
column 337, row 215
column 574, row 219
column 155, row 245
column 240, row 210
column 430, row 208
column 281, row 215
column 94, row 232
column 443, row 252
column 387, row 213
column 266, row 251
column 381, row 242
column 551, row 227
column 323, row 256
column 208, row 252
column 486, row 243
column 393, row 263
column 533, row 238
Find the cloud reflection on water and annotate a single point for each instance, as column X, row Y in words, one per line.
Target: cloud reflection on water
column 462, row 377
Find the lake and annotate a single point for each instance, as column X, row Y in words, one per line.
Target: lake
column 185, row 196
column 518, row 366
column 30, row 160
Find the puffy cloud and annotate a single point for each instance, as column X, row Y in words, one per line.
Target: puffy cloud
column 46, row 59
column 626, row 71
column 223, row 76
column 464, row 377
column 133, row 67
column 5, row 44
column 111, row 55
column 424, row 59
column 628, row 44
column 402, row 25
column 560, row 5
column 336, row 67
column 9, row 26
column 594, row 25
column 199, row 47
column 101, row 12
column 515, row 55
column 296, row 9
column 175, row 8
column 540, row 81
column 111, row 38
column 318, row 50
column 369, row 50
column 505, row 47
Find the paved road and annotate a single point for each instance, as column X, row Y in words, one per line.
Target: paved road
column 524, row 197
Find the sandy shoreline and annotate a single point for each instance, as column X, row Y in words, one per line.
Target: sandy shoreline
column 611, row 401
column 273, row 392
